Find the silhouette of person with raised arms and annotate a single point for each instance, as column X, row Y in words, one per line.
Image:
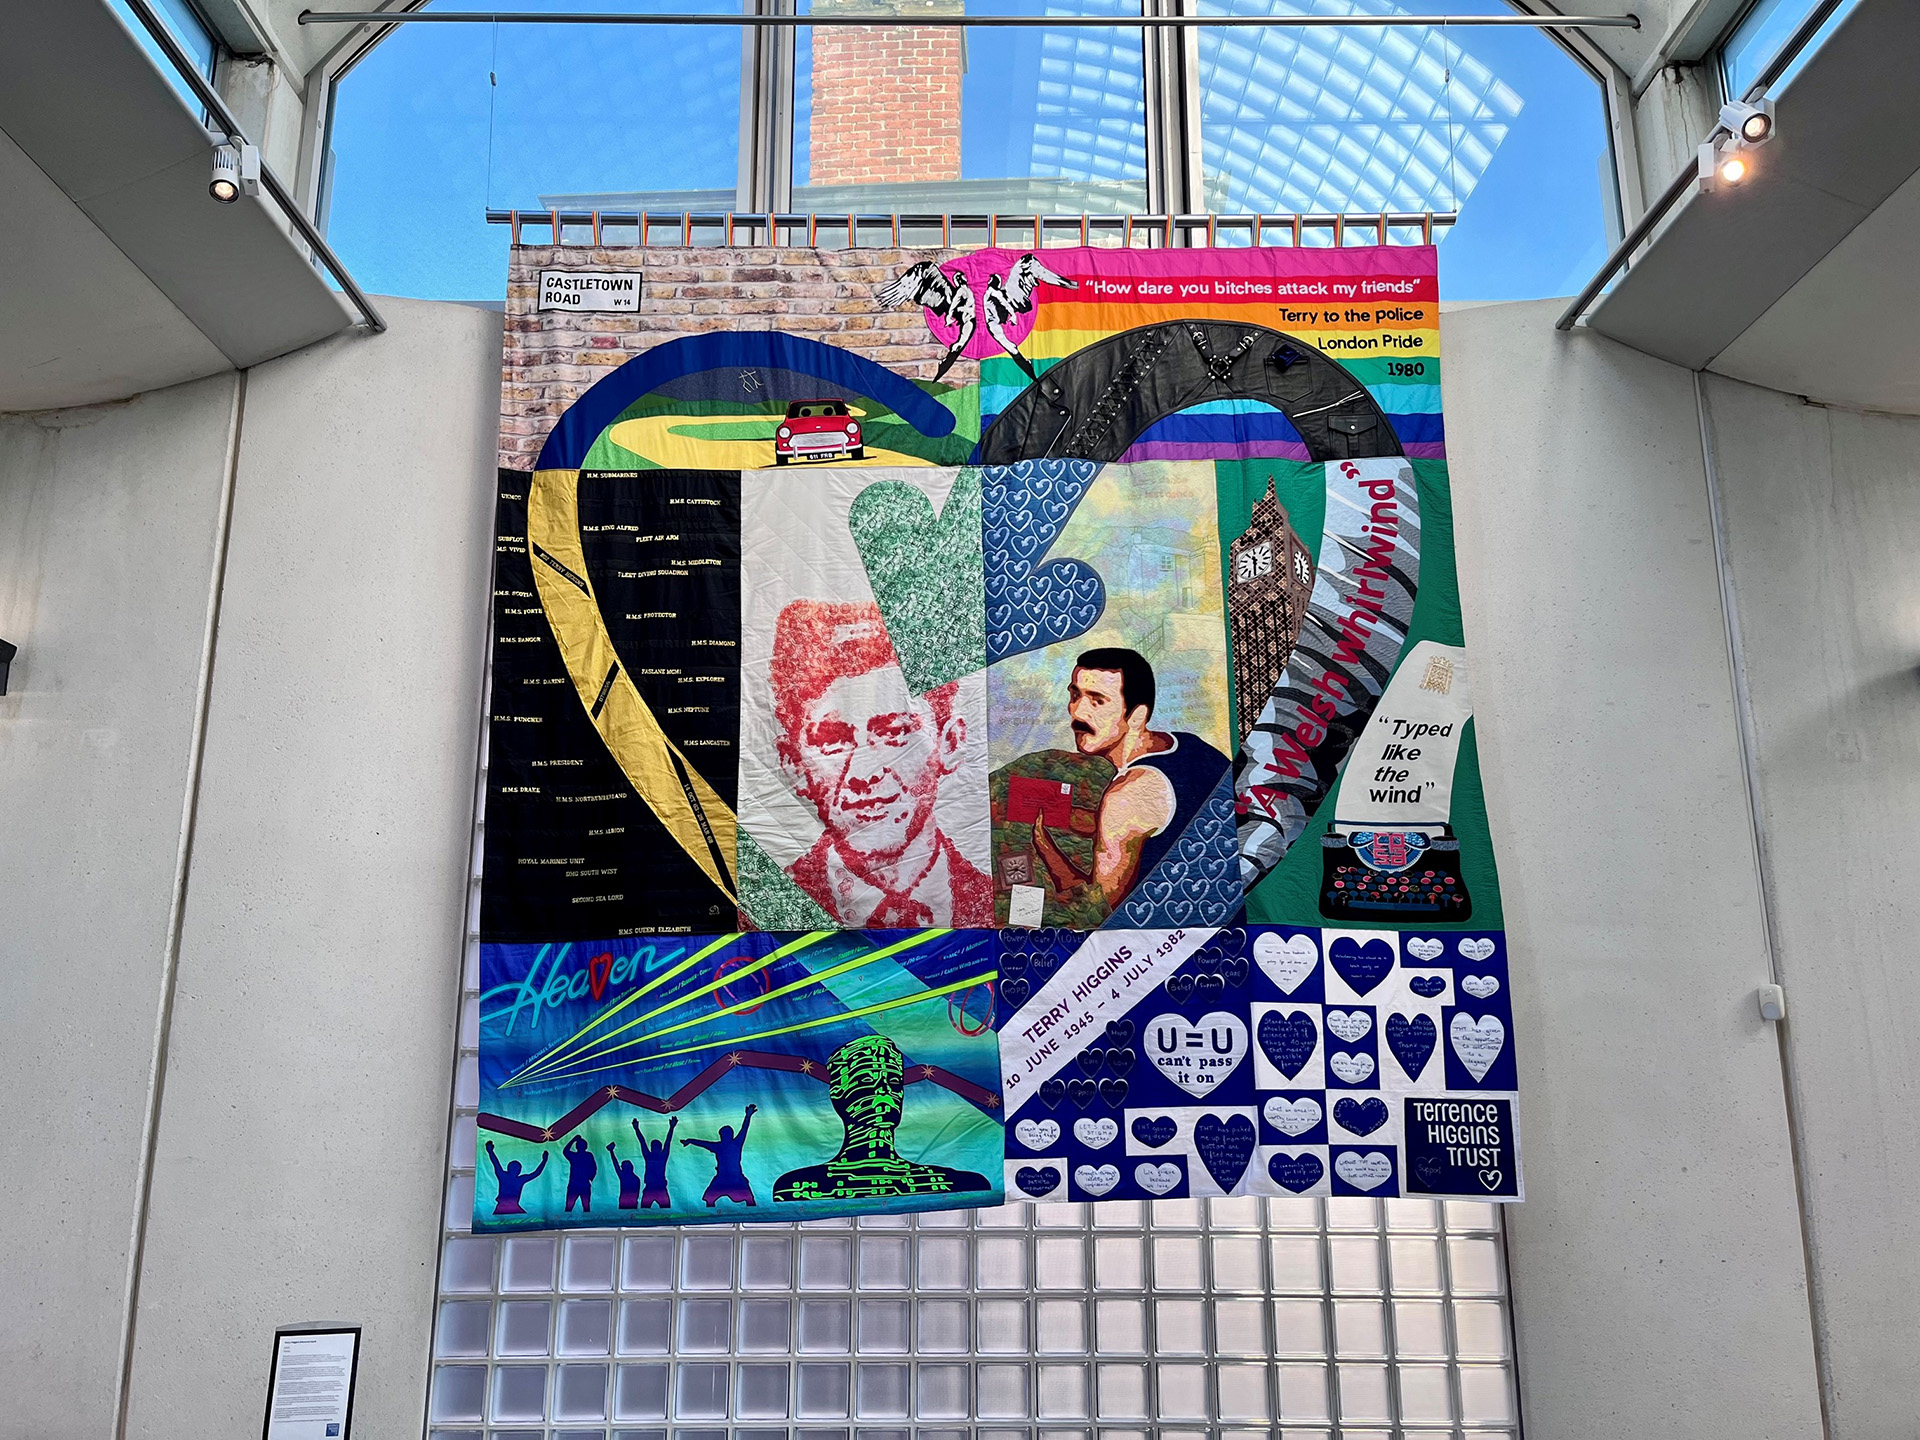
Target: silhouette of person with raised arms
column 511, row 1182
column 629, row 1180
column 581, row 1168
column 866, row 1081
column 729, row 1180
column 654, row 1153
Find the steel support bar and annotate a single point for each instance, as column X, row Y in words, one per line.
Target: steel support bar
column 224, row 118
column 965, row 22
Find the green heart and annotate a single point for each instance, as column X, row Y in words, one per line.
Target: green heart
column 769, row 896
column 928, row 575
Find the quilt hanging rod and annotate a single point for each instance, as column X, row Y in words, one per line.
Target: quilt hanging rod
column 1199, row 231
column 967, row 22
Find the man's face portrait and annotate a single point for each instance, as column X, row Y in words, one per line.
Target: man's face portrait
column 1096, row 710
column 870, row 755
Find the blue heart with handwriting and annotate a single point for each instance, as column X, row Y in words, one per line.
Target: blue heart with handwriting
column 1412, row 1042
column 1121, row 1061
column 1361, row 966
column 1155, row 1132
column 1119, row 1032
column 1296, row 1172
column 1362, row 1117
column 1015, row 991
column 1053, row 1091
column 1037, row 1180
column 1179, row 987
column 1431, row 1169
column 1024, row 507
column 1427, row 986
column 1012, row 962
column 1081, row 1092
column 1288, row 1040
column 1090, row 1061
column 1225, row 1147
column 1114, row 1092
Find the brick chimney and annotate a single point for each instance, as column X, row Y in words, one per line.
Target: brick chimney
column 886, row 100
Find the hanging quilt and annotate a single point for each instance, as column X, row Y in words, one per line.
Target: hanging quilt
column 981, row 724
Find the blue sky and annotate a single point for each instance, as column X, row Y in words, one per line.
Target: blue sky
column 424, row 142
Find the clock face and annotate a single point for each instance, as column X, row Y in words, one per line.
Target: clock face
column 1302, row 566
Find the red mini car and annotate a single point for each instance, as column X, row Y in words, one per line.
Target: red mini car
column 816, row 429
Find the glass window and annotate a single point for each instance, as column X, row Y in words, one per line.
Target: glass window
column 1018, row 121
column 1500, row 124
column 1761, row 33
column 439, row 123
column 188, row 28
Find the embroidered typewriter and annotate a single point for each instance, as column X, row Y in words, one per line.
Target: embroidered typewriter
column 1390, row 852
column 1392, row 875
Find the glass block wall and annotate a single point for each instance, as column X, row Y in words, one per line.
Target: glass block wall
column 1309, row 1319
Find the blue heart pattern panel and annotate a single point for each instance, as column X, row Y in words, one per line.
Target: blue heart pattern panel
column 1275, row 1060
column 1126, row 1059
column 1382, row 1063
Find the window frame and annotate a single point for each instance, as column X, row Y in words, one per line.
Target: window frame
column 1175, row 175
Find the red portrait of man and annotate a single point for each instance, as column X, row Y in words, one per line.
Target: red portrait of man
column 869, row 756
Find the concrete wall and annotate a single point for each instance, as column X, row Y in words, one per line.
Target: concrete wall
column 302, row 1146
column 300, row 1156
column 1657, row 1274
column 1823, row 523
column 108, row 518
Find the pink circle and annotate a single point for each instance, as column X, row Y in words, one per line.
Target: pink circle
column 973, row 270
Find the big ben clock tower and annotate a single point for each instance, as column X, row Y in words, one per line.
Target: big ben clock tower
column 1269, row 576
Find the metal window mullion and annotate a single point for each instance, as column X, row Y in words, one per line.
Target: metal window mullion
column 766, row 116
column 1269, row 1327
column 1164, row 100
column 1209, row 1335
column 1149, row 1319
column 1449, row 1332
column 1512, row 1326
column 476, row 860
column 1330, row 1336
column 1389, row 1332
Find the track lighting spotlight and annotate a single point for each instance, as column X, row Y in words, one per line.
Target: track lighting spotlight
column 1723, row 161
column 236, row 171
column 1752, row 123
column 225, row 184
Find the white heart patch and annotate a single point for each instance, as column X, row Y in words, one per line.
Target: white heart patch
column 1157, row 1179
column 1287, row 962
column 1363, row 1172
column 1349, row 1025
column 1479, row 986
column 1293, row 1117
column 1425, row 949
column 1096, row 1134
column 1351, row 1068
column 1491, row 1179
column 1097, row 1179
column 1197, row 1054
column 1037, row 1134
column 1477, row 1042
column 1476, row 950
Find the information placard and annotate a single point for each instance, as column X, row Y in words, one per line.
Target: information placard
column 310, row 1392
